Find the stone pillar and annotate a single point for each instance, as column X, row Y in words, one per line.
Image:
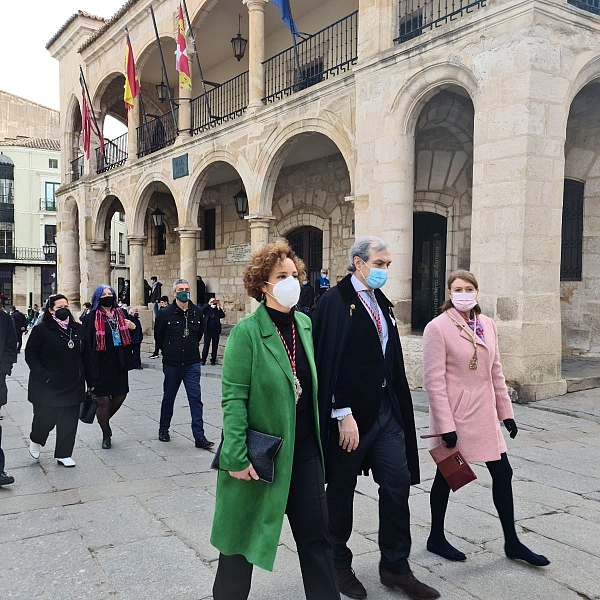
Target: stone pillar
column 259, row 230
column 133, row 120
column 188, row 248
column 518, row 171
column 378, row 27
column 136, row 269
column 67, row 258
column 185, row 111
column 99, row 263
column 256, row 51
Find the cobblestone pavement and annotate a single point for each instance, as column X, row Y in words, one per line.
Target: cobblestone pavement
column 134, row 522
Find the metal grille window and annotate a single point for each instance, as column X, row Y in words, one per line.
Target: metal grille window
column 572, row 231
column 6, row 240
column 210, row 229
column 592, row 6
column 49, row 202
column 159, row 239
column 7, row 191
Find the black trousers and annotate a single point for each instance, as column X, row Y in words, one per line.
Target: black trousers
column 19, row 341
column 384, row 449
column 210, row 337
column 307, row 514
column 137, row 359
column 64, row 418
column 1, row 453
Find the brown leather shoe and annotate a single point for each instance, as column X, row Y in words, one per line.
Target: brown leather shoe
column 349, row 585
column 409, row 584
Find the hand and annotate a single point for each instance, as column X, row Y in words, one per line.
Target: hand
column 450, row 439
column 247, row 474
column 511, row 427
column 349, row 437
column 130, row 324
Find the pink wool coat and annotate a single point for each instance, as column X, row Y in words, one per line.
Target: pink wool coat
column 470, row 402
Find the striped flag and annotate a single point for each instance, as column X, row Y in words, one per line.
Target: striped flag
column 132, row 84
column 88, row 122
column 181, row 61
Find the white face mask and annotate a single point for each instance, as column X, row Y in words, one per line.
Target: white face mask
column 286, row 292
column 464, row 301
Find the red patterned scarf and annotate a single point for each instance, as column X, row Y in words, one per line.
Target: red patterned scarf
column 101, row 331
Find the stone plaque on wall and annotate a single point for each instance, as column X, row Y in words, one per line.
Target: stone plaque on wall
column 180, row 166
column 238, row 253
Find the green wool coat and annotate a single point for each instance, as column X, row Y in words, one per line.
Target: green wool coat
column 257, row 393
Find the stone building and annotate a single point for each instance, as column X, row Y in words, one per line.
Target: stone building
column 452, row 130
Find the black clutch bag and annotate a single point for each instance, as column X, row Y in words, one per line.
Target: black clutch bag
column 87, row 409
column 262, row 449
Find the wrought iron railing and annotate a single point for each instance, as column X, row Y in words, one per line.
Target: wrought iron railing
column 329, row 52
column 225, row 102
column 113, row 256
column 592, row 6
column 17, row 253
column 115, row 154
column 417, row 16
column 157, row 133
column 48, row 204
column 77, row 168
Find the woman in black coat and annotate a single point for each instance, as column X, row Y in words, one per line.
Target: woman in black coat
column 60, row 364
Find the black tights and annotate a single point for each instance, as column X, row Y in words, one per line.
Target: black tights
column 107, row 407
column 501, row 473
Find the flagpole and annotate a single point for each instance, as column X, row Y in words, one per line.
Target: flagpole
column 193, row 37
column 91, row 109
column 164, row 69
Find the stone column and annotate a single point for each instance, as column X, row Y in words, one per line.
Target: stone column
column 378, row 27
column 136, row 269
column 188, row 248
column 67, row 258
column 518, row 171
column 185, row 112
column 259, row 230
column 256, row 51
column 99, row 263
column 133, row 120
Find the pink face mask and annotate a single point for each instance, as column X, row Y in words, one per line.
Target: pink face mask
column 464, row 301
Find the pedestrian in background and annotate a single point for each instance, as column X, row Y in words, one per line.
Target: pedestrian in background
column 20, row 322
column 177, row 332
column 200, row 292
column 125, row 293
column 137, row 337
column 107, row 329
column 270, row 385
column 60, row 363
column 307, row 297
column 163, row 303
column 155, row 294
column 322, row 284
column 211, row 326
column 468, row 398
column 8, row 356
column 87, row 306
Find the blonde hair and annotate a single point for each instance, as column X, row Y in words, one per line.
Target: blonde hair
column 465, row 276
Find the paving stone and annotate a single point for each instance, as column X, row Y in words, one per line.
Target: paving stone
column 35, row 523
column 122, row 489
column 155, row 569
column 179, row 502
column 28, row 480
column 194, row 530
column 147, row 470
column 285, row 581
column 19, row 504
column 95, row 522
column 558, row 478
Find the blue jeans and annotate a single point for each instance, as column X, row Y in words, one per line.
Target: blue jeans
column 190, row 376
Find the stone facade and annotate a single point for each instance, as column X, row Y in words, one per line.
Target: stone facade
column 477, row 121
column 20, row 117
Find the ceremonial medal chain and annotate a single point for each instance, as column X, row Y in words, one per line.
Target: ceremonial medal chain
column 376, row 317
column 473, row 335
column 292, row 357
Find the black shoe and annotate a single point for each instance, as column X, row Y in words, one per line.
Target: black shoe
column 204, row 443
column 442, row 547
column 521, row 552
column 163, row 435
column 349, row 585
column 213, row 362
column 203, row 362
column 106, row 444
column 409, row 584
column 153, row 355
column 6, row 479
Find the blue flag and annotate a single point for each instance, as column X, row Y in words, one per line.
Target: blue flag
column 286, row 14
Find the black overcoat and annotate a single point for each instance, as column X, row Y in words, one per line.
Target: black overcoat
column 58, row 374
column 331, row 325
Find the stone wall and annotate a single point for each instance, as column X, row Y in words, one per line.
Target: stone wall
column 21, row 117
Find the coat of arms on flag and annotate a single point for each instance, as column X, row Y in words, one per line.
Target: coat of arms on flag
column 181, row 61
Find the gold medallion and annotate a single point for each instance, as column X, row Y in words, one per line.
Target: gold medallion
column 71, row 344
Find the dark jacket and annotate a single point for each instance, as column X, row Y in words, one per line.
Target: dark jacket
column 169, row 328
column 137, row 335
column 307, row 296
column 331, row 328
column 58, row 374
column 206, row 312
column 156, row 293
column 147, row 292
column 19, row 320
column 8, row 345
column 125, row 294
column 201, row 292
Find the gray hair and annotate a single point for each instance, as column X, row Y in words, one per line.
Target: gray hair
column 361, row 248
column 179, row 282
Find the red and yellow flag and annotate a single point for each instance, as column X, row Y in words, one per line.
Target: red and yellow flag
column 132, row 85
column 181, row 61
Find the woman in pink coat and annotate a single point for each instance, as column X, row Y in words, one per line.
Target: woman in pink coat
column 467, row 400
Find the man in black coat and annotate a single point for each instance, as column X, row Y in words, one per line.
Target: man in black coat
column 177, row 332
column 211, row 326
column 20, row 321
column 367, row 416
column 307, row 297
column 200, row 291
column 155, row 293
column 8, row 356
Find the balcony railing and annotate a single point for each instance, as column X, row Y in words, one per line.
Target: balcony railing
column 156, row 133
column 592, row 6
column 48, row 204
column 329, row 52
column 7, row 212
column 12, row 253
column 417, row 16
column 77, row 168
column 226, row 102
column 115, row 154
column 113, row 257
column 121, row 258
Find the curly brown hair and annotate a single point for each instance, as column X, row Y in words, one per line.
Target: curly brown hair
column 263, row 262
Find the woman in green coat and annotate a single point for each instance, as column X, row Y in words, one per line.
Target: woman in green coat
column 269, row 385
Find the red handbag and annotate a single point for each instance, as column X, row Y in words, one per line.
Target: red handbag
column 452, row 464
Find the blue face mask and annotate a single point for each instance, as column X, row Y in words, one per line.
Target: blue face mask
column 377, row 277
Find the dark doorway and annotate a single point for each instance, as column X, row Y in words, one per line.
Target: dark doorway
column 429, row 267
column 307, row 243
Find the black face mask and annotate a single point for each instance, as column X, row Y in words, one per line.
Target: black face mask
column 62, row 314
column 107, row 301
